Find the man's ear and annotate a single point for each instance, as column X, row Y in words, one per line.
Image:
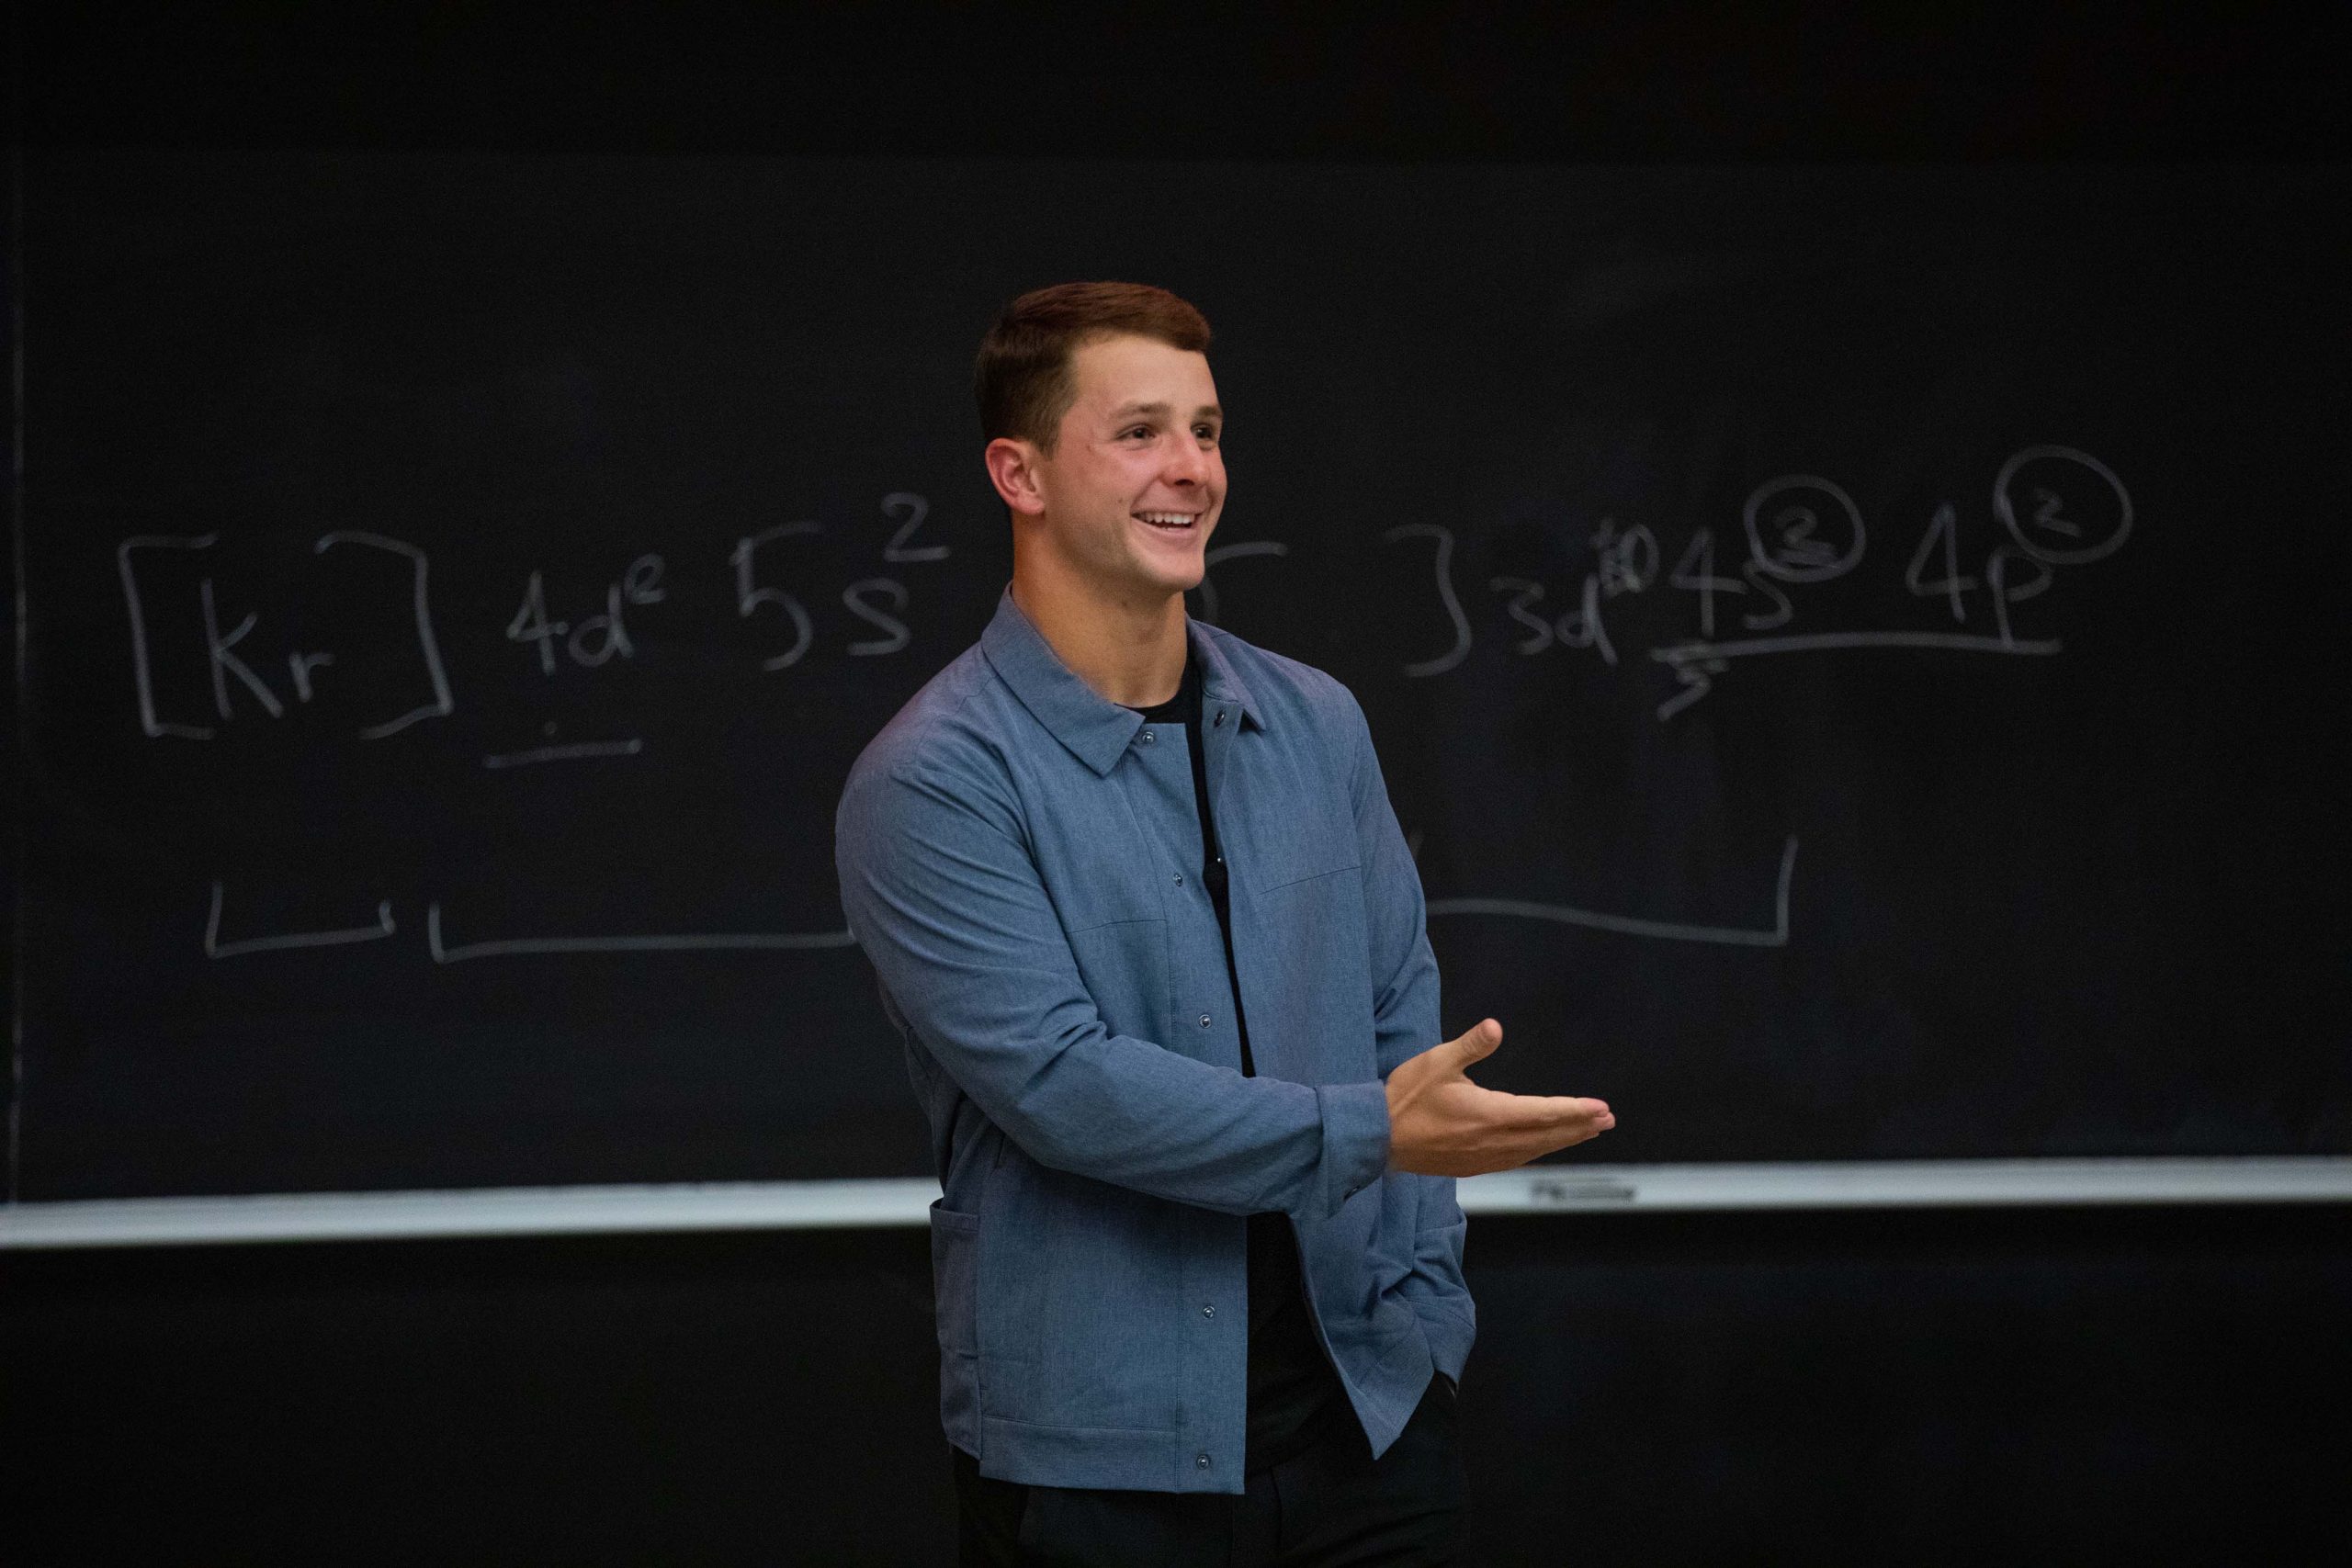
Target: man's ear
column 1013, row 468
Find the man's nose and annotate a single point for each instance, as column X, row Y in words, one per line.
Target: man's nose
column 1188, row 463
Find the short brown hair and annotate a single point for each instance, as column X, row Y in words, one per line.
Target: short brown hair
column 1022, row 379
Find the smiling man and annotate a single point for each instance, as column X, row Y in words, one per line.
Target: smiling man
column 1141, row 912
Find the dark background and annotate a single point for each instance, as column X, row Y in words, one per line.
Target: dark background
column 2010, row 1385
column 2028, row 911
column 1995, row 1386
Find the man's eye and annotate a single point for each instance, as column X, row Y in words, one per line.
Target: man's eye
column 1138, row 430
column 1207, row 433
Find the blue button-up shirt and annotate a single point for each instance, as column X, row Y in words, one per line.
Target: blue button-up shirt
column 1018, row 857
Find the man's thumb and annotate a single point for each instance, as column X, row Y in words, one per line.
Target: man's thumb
column 1480, row 1039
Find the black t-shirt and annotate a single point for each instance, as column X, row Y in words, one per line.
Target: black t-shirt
column 1295, row 1395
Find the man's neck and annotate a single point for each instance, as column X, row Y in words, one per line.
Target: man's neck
column 1128, row 652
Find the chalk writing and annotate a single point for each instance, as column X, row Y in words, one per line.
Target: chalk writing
column 2048, row 532
column 1793, row 537
column 241, row 684
column 1212, row 559
column 2056, row 508
column 2059, row 506
column 750, row 594
column 443, row 951
column 215, row 948
column 564, row 754
column 428, row 646
column 1774, row 936
column 1442, row 564
column 224, row 664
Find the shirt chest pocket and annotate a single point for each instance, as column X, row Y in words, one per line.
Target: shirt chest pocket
column 1094, row 869
column 1309, row 835
column 1283, row 810
column 1116, row 923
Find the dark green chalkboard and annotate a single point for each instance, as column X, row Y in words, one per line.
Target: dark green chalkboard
column 1855, row 649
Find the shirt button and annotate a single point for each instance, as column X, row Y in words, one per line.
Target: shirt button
column 1205, row 1020
column 1179, row 879
column 1220, row 719
column 1202, row 1461
column 1208, row 1312
column 1146, row 737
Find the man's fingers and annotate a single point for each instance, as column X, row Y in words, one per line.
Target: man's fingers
column 1443, row 1123
column 1554, row 1122
column 1457, row 1128
column 1534, row 1112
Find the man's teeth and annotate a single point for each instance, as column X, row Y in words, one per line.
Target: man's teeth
column 1167, row 519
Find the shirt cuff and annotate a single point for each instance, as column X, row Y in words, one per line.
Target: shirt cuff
column 1355, row 1139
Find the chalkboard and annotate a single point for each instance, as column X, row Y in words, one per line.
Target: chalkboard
column 1854, row 648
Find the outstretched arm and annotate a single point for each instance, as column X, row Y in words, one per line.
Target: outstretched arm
column 941, row 891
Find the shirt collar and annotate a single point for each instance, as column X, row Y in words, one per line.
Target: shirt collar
column 1096, row 730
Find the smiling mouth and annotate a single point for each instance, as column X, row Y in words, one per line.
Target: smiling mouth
column 1170, row 521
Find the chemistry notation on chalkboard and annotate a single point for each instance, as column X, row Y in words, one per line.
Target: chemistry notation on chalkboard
column 1742, row 598
column 2056, row 506
column 241, row 681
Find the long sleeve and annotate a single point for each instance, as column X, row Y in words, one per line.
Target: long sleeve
column 941, row 892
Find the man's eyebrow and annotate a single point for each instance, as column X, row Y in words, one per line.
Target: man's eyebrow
column 1125, row 410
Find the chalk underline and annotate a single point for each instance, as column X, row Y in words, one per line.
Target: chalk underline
column 721, row 942
column 1743, row 648
column 1776, row 935
column 629, row 747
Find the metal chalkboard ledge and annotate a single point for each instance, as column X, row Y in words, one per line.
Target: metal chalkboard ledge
column 788, row 1205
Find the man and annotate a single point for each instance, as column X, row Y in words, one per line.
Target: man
column 1140, row 909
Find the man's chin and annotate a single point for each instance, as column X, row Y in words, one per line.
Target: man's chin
column 1167, row 580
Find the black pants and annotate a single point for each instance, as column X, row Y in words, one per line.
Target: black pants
column 1332, row 1506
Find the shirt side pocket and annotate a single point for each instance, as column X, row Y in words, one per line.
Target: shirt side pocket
column 955, row 1276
